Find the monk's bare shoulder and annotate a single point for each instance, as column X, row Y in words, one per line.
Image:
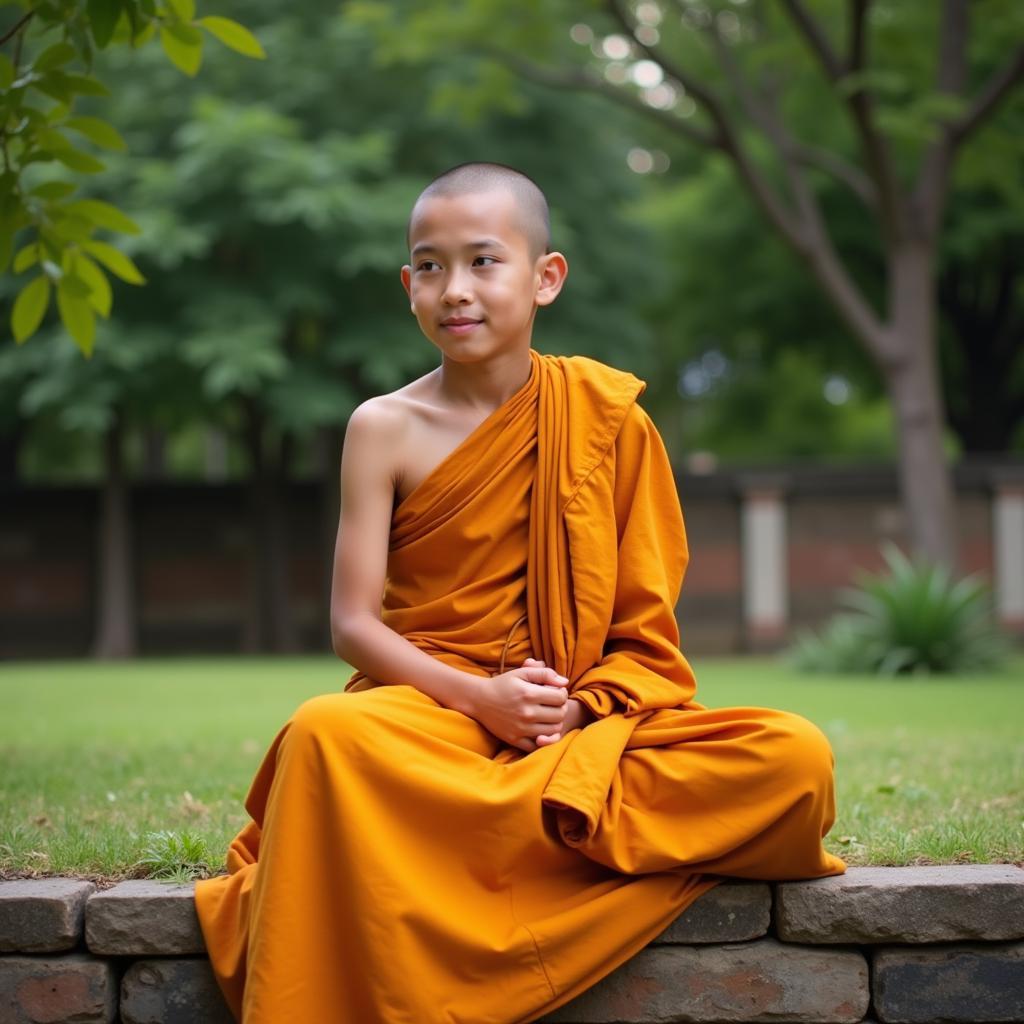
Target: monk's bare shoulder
column 406, row 430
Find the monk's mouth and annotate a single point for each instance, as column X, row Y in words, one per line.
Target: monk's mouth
column 462, row 328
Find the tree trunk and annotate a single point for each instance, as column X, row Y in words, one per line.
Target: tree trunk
column 283, row 634
column 269, row 624
column 912, row 381
column 215, row 455
column 254, row 634
column 115, row 627
column 10, row 446
column 154, row 454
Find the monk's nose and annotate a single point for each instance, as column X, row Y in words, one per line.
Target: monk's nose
column 456, row 289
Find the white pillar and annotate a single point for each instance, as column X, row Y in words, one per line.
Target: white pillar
column 764, row 557
column 1008, row 552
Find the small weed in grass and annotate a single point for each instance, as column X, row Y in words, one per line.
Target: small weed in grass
column 178, row 857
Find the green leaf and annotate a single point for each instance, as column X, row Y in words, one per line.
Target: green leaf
column 144, row 34
column 6, row 71
column 184, row 9
column 100, row 296
column 30, row 307
column 72, row 284
column 185, row 56
column 54, row 56
column 76, row 314
column 6, row 247
column 231, row 34
column 115, row 261
column 104, row 215
column 97, row 130
column 55, row 85
column 79, row 161
column 85, row 84
column 27, row 256
column 53, row 190
column 103, row 15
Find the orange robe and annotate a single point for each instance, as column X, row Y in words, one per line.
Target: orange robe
column 402, row 864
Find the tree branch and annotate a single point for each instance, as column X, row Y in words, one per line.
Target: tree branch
column 988, row 98
column 858, row 101
column 18, row 26
column 840, row 169
column 821, row 256
column 928, row 199
column 581, row 79
column 729, row 142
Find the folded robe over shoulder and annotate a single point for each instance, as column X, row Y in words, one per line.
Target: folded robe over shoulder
column 403, row 864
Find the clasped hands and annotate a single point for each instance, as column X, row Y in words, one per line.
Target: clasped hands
column 528, row 707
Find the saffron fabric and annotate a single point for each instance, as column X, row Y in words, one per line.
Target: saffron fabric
column 403, row 865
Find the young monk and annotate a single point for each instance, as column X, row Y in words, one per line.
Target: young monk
column 516, row 790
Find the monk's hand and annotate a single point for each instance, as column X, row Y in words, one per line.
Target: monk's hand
column 523, row 707
column 577, row 716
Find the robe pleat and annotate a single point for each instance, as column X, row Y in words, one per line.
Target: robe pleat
column 403, row 865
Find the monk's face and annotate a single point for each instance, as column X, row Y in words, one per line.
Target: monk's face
column 470, row 262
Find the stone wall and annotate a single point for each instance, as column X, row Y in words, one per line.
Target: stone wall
column 904, row 945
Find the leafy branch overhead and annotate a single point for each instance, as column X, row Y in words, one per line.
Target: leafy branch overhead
column 46, row 65
column 737, row 81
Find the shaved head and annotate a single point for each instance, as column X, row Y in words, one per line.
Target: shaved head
column 533, row 216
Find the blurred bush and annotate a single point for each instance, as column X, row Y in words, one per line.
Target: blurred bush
column 914, row 620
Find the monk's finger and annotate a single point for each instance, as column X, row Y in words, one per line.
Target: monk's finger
column 543, row 676
column 554, row 694
column 547, row 714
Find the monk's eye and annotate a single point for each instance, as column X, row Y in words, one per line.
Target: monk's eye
column 491, row 258
column 423, row 265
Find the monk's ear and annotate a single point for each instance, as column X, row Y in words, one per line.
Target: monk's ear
column 553, row 271
column 406, row 276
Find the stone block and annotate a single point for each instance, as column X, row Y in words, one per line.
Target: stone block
column 753, row 982
column 143, row 918
column 42, row 915
column 969, row 983
column 57, row 990
column 172, row 992
column 733, row 911
column 939, row 903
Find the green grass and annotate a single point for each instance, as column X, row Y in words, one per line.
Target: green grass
column 127, row 770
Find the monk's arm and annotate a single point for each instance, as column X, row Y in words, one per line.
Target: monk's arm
column 375, row 431
column 365, row 643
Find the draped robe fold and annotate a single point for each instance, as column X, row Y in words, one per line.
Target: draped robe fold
column 403, row 865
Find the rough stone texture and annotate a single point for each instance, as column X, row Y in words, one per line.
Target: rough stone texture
column 738, row 982
column 172, row 992
column 42, row 915
column 904, row 904
column 143, row 918
column 72, row 989
column 731, row 912
column 969, row 983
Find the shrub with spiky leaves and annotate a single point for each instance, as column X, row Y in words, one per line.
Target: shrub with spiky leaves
column 914, row 620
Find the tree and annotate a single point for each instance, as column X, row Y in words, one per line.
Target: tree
column 727, row 81
column 272, row 235
column 38, row 92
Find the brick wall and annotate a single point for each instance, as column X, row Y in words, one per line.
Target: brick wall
column 897, row 945
column 191, row 542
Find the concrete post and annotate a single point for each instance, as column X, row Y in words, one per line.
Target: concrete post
column 764, row 559
column 1008, row 549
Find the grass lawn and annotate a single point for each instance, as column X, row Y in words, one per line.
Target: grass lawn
column 95, row 756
